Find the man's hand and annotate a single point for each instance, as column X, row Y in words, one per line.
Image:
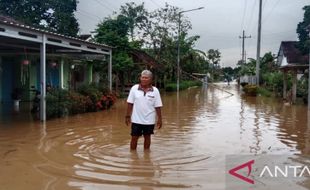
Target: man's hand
column 159, row 124
column 127, row 120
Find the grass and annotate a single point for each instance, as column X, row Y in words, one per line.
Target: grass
column 171, row 87
column 264, row 92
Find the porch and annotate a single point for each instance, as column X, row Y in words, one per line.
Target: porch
column 34, row 59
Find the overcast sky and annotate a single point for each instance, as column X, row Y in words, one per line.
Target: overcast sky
column 219, row 24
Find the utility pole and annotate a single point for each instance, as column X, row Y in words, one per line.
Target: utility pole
column 178, row 56
column 258, row 41
column 243, row 51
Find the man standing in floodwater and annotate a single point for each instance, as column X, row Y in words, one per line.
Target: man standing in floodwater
column 144, row 103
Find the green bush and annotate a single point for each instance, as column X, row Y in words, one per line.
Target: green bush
column 93, row 93
column 58, row 103
column 171, row 87
column 250, row 90
column 302, row 88
column 264, row 92
column 274, row 81
column 63, row 102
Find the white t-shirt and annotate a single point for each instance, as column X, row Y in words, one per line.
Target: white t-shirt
column 144, row 104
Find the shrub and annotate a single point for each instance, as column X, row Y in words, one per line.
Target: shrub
column 93, row 93
column 63, row 102
column 273, row 81
column 170, row 87
column 58, row 103
column 250, row 90
column 264, row 92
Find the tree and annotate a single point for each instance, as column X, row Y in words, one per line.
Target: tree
column 268, row 63
column 249, row 68
column 54, row 15
column 162, row 29
column 137, row 18
column 303, row 31
column 62, row 19
column 214, row 57
column 160, row 35
column 114, row 32
column 157, row 33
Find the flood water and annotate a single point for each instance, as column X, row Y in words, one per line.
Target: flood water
column 200, row 127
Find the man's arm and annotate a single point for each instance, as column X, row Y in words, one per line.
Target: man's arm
column 128, row 113
column 159, row 119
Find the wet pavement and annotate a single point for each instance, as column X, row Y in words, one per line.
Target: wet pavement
column 201, row 127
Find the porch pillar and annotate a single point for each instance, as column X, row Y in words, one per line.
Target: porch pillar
column 89, row 74
column 43, row 78
column 110, row 70
column 294, row 86
column 284, row 84
column 61, row 73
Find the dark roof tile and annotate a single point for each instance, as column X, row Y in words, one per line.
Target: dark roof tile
column 293, row 54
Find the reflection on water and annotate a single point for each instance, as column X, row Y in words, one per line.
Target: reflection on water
column 200, row 127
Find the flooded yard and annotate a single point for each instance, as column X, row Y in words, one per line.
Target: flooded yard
column 200, row 127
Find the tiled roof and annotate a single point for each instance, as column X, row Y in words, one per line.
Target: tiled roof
column 293, row 54
column 145, row 58
column 12, row 22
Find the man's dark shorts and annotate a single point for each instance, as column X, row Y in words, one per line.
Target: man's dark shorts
column 140, row 129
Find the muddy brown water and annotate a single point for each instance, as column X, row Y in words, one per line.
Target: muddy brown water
column 200, row 127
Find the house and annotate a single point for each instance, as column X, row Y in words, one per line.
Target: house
column 142, row 60
column 35, row 58
column 291, row 61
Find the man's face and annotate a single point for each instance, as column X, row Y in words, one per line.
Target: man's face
column 145, row 80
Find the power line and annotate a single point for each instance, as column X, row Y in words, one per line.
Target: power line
column 244, row 11
column 88, row 14
column 265, row 4
column 103, row 5
column 251, row 17
column 155, row 3
column 111, row 5
column 271, row 11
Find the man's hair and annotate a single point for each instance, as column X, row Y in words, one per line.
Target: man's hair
column 147, row 73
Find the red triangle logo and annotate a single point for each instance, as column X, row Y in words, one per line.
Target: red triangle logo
column 249, row 164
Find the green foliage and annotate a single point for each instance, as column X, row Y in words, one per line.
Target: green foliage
column 54, row 15
column 137, row 17
column 302, row 88
column 273, row 81
column 58, row 103
column 92, row 92
column 249, row 68
column 62, row 19
column 250, row 90
column 302, row 31
column 264, row 92
column 214, row 56
column 157, row 31
column 170, row 87
column 114, row 32
column 268, row 63
column 63, row 102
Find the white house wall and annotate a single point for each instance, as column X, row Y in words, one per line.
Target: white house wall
column 284, row 62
